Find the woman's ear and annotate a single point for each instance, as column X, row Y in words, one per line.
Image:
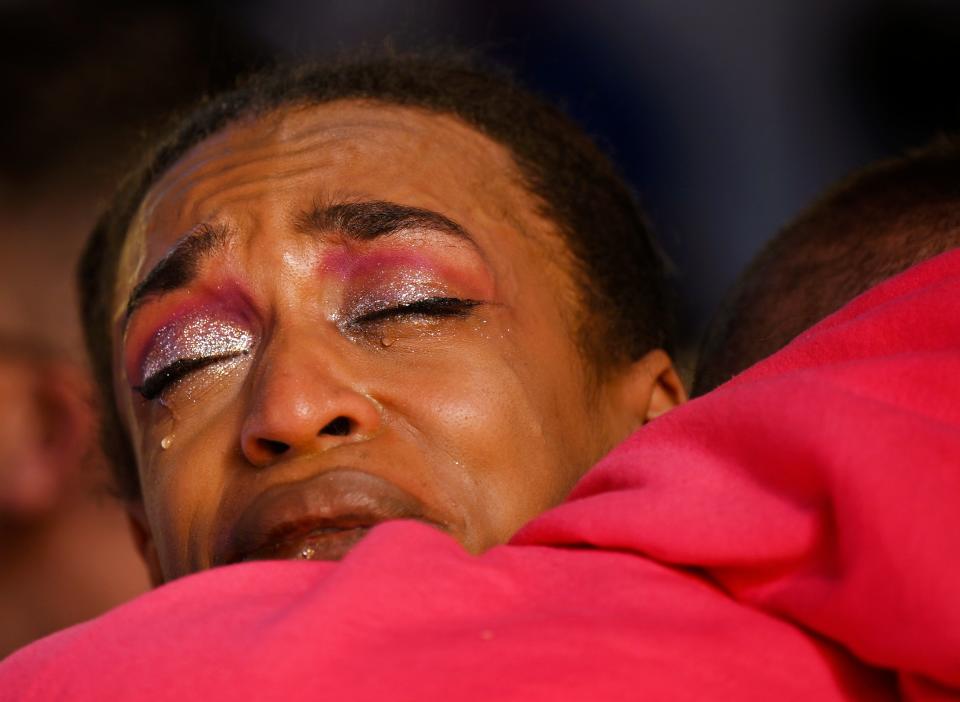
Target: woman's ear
column 647, row 388
column 143, row 539
column 667, row 391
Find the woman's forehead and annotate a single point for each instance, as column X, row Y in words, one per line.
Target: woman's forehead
column 272, row 166
column 337, row 138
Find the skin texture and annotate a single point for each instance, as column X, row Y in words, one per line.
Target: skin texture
column 474, row 421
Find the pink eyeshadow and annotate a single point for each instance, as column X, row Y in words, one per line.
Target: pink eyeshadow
column 352, row 267
column 214, row 322
column 348, row 264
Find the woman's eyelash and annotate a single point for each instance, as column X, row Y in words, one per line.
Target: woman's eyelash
column 154, row 386
column 429, row 307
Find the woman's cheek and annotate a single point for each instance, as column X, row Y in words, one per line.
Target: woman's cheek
column 183, row 486
column 194, row 402
column 183, row 458
column 458, row 406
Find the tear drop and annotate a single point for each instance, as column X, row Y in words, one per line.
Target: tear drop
column 387, row 341
column 166, row 442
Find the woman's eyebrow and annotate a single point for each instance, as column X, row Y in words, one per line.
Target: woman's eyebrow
column 375, row 218
column 179, row 266
column 363, row 221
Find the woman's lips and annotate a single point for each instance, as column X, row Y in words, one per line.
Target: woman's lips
column 322, row 544
column 320, row 518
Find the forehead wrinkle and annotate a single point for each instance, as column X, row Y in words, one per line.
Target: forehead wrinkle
column 303, row 129
column 195, row 187
column 245, row 140
column 327, row 117
column 209, row 203
column 241, row 143
column 189, row 186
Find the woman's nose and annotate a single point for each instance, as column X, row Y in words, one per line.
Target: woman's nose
column 301, row 405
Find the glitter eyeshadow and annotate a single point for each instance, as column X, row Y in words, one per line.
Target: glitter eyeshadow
column 408, row 287
column 193, row 338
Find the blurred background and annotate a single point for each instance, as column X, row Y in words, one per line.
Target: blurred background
column 728, row 118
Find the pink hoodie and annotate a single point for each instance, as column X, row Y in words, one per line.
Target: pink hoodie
column 790, row 536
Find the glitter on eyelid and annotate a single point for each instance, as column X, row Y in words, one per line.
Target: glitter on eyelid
column 405, row 289
column 196, row 337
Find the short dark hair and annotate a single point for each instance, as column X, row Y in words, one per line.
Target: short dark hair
column 874, row 224
column 620, row 272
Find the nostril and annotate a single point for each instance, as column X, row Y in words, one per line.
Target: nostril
column 273, row 448
column 338, row 427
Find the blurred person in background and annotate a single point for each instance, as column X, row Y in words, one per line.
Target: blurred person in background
column 65, row 552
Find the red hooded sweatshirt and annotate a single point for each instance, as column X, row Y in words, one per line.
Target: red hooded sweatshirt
column 791, row 536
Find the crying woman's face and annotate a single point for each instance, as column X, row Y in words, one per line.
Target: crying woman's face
column 344, row 314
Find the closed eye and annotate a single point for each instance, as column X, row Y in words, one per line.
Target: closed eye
column 154, row 385
column 428, row 307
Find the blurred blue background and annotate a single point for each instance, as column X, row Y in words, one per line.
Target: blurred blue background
column 727, row 117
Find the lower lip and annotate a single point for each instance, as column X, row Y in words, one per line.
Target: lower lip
column 320, row 545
